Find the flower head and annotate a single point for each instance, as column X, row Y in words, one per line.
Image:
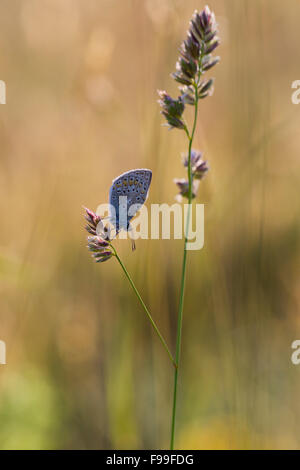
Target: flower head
column 199, row 169
column 92, row 221
column 196, row 56
column 98, row 243
column 172, row 109
column 100, row 248
column 183, row 186
column 194, row 60
column 199, row 166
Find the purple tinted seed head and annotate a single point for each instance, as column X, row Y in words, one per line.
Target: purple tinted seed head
column 194, row 60
column 172, row 109
column 183, row 186
column 99, row 246
column 198, row 165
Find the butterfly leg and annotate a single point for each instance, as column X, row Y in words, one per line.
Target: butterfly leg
column 130, row 229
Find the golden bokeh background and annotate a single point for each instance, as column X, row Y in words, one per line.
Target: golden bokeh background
column 84, row 369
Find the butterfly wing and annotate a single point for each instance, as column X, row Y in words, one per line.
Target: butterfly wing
column 133, row 184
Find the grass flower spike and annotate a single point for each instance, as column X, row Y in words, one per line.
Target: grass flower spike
column 195, row 60
column 98, row 242
column 198, row 165
column 183, row 186
column 93, row 220
column 196, row 52
column 172, row 110
column 100, row 249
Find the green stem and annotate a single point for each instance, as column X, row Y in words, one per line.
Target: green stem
column 183, row 273
column 163, row 342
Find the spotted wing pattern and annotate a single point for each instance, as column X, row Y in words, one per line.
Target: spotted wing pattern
column 133, row 184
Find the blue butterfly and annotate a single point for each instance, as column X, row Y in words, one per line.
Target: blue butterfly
column 134, row 184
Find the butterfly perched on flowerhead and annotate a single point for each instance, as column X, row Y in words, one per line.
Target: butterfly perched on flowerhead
column 134, row 184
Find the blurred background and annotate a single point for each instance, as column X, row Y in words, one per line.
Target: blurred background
column 84, row 369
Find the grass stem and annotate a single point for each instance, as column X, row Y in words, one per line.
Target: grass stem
column 183, row 272
column 163, row 342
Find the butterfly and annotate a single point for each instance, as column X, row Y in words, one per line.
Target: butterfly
column 134, row 184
